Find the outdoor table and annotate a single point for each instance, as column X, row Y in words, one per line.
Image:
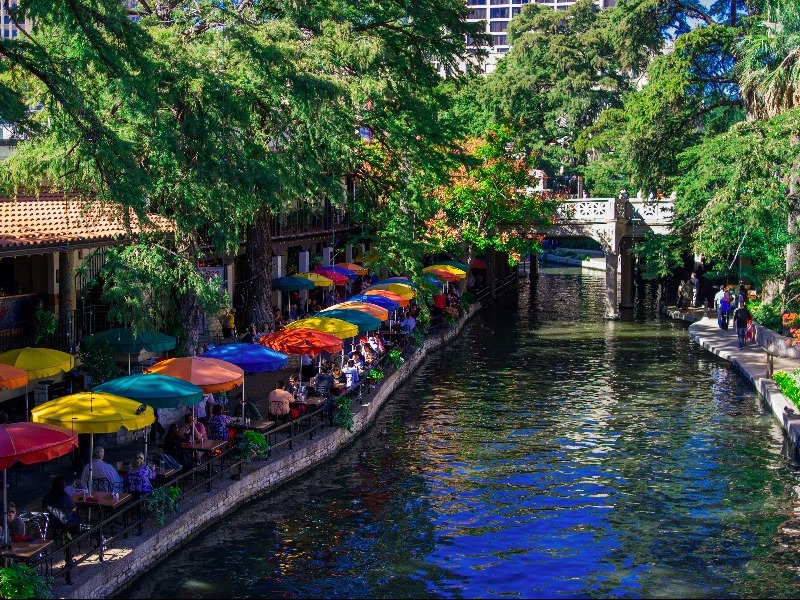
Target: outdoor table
column 210, row 448
column 260, row 425
column 106, row 504
column 26, row 552
column 161, row 472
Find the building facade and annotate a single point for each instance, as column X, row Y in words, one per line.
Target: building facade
column 496, row 14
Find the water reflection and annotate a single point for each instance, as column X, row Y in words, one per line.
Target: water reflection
column 546, row 453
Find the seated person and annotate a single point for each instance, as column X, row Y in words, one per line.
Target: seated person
column 358, row 360
column 324, row 382
column 370, row 359
column 408, row 323
column 137, row 481
column 101, row 470
column 339, row 381
column 293, row 387
column 218, row 424
column 16, row 527
column 62, row 508
column 193, row 426
column 351, row 373
column 172, row 443
column 250, row 410
column 279, row 400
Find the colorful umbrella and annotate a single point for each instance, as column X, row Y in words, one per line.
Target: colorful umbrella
column 370, row 256
column 453, row 263
column 357, row 269
column 123, row 340
column 158, row 391
column 289, row 283
column 210, row 374
column 12, row 378
column 336, row 278
column 349, row 273
column 371, row 309
column 443, row 275
column 302, row 341
column 400, row 280
column 30, row 443
column 401, row 289
column 377, row 300
column 363, row 321
column 92, row 412
column 38, row 363
column 317, row 279
column 337, row 327
column 397, row 298
column 454, row 270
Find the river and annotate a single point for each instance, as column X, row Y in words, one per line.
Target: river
column 545, row 453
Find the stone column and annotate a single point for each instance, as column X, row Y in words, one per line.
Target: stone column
column 348, row 253
column 66, row 281
column 327, row 256
column 612, row 310
column 278, row 270
column 304, row 265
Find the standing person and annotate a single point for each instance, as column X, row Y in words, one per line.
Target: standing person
column 717, row 299
column 681, row 294
column 724, row 309
column 741, row 318
column 688, row 294
column 695, row 281
column 741, row 298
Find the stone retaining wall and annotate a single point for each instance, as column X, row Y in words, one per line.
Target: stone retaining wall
column 109, row 578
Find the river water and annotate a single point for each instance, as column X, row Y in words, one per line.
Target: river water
column 545, row 453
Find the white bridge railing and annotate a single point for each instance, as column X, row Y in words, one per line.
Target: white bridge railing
column 605, row 210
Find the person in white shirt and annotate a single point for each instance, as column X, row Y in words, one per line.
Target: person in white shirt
column 101, row 470
column 351, row 373
column 408, row 323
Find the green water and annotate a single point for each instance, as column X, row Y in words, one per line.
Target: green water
column 546, row 453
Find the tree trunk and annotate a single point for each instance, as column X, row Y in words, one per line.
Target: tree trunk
column 258, row 308
column 190, row 315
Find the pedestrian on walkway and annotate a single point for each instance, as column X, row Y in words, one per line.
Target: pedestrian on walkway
column 695, row 289
column 741, row 317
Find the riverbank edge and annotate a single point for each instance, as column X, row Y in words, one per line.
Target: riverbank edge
column 699, row 331
column 117, row 573
column 591, row 265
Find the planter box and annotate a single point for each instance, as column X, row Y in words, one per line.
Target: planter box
column 776, row 344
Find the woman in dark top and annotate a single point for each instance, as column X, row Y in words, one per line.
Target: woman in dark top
column 62, row 508
column 172, row 443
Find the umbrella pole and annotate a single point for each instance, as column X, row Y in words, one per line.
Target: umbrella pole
column 192, row 423
column 91, row 461
column 6, row 541
column 129, row 364
column 146, row 435
column 243, row 400
column 26, row 402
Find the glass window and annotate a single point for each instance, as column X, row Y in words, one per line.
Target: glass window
column 515, row 11
column 498, row 13
column 498, row 26
column 477, row 13
column 499, row 40
column 495, row 2
column 476, row 2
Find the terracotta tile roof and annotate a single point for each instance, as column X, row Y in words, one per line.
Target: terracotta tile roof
column 28, row 223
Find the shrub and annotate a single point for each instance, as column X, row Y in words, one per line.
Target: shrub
column 395, row 358
column 45, row 324
column 20, row 581
column 342, row 415
column 789, row 385
column 252, row 445
column 768, row 315
column 161, row 500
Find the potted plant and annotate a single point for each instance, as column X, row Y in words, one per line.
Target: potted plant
column 395, row 358
column 20, row 581
column 252, row 445
column 342, row 415
column 161, row 500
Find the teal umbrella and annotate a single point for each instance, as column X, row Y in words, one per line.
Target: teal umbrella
column 289, row 283
column 158, row 391
column 364, row 321
column 124, row 341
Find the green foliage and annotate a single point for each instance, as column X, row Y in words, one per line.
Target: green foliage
column 161, row 500
column 44, row 324
column 417, row 338
column 20, row 581
column 789, row 385
column 659, row 255
column 374, row 374
column 768, row 314
column 342, row 415
column 467, row 300
column 97, row 361
column 395, row 358
column 252, row 445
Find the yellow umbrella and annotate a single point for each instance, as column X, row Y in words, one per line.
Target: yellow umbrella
column 370, row 256
column 336, row 327
column 94, row 412
column 38, row 363
column 371, row 309
column 317, row 279
column 401, row 289
column 449, row 268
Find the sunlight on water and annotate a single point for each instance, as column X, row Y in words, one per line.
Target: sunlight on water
column 546, row 453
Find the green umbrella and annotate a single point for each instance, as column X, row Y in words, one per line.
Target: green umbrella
column 362, row 320
column 290, row 283
column 124, row 341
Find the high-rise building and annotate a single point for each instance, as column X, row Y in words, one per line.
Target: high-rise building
column 9, row 29
column 497, row 13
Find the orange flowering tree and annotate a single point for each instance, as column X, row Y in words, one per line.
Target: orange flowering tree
column 489, row 202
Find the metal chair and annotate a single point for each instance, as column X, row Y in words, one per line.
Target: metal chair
column 36, row 523
column 101, row 484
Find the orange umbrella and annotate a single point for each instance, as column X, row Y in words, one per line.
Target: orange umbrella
column 302, row 341
column 12, row 378
column 357, row 269
column 210, row 374
column 371, row 309
column 402, row 301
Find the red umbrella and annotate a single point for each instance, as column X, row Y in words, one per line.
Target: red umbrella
column 337, row 278
column 302, row 341
column 30, row 443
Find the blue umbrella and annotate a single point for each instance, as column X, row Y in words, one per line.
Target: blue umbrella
column 251, row 358
column 386, row 303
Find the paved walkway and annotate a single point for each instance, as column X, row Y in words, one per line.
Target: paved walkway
column 750, row 361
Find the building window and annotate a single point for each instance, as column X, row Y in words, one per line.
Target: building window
column 498, row 26
column 498, row 13
column 515, row 11
column 476, row 2
column 499, row 40
column 478, row 14
column 500, row 2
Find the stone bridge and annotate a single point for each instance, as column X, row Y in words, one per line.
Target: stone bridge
column 616, row 223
